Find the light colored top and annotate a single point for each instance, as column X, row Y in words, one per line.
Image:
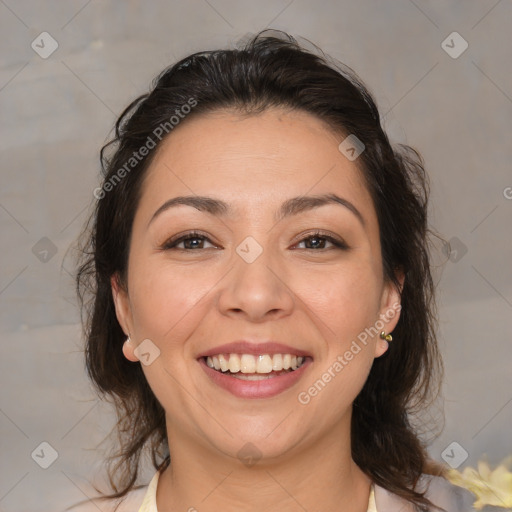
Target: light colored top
column 149, row 501
column 439, row 491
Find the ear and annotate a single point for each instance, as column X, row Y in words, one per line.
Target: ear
column 123, row 314
column 390, row 308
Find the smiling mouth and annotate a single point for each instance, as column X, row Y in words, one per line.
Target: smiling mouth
column 251, row 367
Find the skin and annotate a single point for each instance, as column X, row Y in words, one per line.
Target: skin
column 314, row 298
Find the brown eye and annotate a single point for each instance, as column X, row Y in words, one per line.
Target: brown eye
column 190, row 241
column 319, row 241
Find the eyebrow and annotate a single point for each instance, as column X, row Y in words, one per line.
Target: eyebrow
column 292, row 206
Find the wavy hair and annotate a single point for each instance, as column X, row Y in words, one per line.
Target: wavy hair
column 267, row 71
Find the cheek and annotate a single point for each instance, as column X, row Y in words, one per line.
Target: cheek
column 166, row 301
column 345, row 299
column 336, row 382
column 348, row 301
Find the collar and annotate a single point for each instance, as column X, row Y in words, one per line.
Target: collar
column 439, row 490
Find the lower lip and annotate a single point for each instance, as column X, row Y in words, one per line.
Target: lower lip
column 265, row 388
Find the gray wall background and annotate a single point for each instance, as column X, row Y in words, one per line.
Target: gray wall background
column 57, row 111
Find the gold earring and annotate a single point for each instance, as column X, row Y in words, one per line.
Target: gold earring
column 386, row 337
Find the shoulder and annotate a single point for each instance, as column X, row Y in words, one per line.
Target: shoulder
column 439, row 491
column 131, row 503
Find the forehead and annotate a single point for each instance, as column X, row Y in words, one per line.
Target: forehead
column 253, row 161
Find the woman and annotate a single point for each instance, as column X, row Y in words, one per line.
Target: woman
column 262, row 307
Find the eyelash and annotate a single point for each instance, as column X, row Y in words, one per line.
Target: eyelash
column 171, row 244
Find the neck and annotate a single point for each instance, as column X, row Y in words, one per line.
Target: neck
column 321, row 476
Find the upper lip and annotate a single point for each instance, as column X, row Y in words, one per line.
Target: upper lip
column 259, row 348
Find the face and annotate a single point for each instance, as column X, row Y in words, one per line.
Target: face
column 273, row 249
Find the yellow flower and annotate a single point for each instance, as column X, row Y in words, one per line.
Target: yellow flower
column 490, row 487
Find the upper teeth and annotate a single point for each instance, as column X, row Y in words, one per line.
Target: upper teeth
column 247, row 363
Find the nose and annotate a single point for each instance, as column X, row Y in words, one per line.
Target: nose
column 257, row 291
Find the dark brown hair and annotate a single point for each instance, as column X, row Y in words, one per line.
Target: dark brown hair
column 270, row 70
